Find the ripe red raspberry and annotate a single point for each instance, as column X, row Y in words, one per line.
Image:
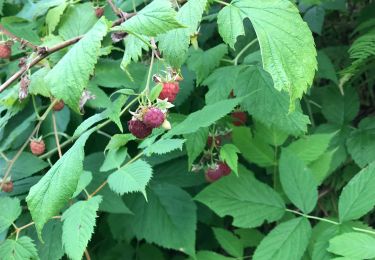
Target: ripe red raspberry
column 37, row 147
column 138, row 128
column 224, row 168
column 7, row 186
column 5, row 51
column 213, row 173
column 217, row 140
column 59, row 105
column 153, row 117
column 99, row 12
column 170, row 91
column 239, row 118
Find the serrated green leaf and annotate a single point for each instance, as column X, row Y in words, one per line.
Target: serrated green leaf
column 155, row 92
column 78, row 226
column 53, row 16
column 38, row 86
column 337, row 108
column 314, row 17
column 164, row 146
column 229, row 242
column 52, row 248
column 317, row 144
column 168, row 219
column 354, row 245
column 286, row 43
column 361, row 142
column 253, row 150
column 247, row 200
column 57, row 186
column 210, row 255
column 249, row 237
column 175, row 44
column 287, row 240
column 297, row 181
column 26, row 165
column 84, row 180
column 131, row 178
column 156, row 18
column 358, row 196
column 89, row 122
column 77, row 20
column 114, row 159
column 322, row 167
column 204, row 62
column 267, row 105
column 20, row 249
column 114, row 111
column 228, row 153
column 118, row 141
column 204, row 117
column 270, row 134
column 76, row 67
column 10, row 210
column 195, row 144
column 133, row 49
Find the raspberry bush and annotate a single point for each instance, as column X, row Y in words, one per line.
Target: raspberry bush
column 198, row 129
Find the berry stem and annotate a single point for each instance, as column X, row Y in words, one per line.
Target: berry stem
column 235, row 60
column 147, row 89
column 22, row 41
column 56, row 135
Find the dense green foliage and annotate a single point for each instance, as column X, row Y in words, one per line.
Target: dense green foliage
column 267, row 151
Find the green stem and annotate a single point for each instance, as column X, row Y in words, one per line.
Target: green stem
column 147, row 89
column 235, row 61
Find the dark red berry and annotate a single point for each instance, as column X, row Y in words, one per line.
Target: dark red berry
column 153, row 117
column 213, row 173
column 99, row 12
column 224, row 168
column 231, row 94
column 37, row 147
column 139, row 129
column 239, row 118
column 5, row 51
column 169, row 91
column 59, row 105
column 7, row 186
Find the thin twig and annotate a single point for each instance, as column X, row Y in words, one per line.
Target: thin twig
column 56, row 135
column 114, row 8
column 87, row 255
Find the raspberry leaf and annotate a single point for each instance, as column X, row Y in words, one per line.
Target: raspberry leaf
column 57, row 186
column 228, row 153
column 353, row 245
column 249, row 201
column 164, row 146
column 229, row 242
column 133, row 49
column 131, row 178
column 78, row 226
column 286, row 43
column 10, row 210
column 156, row 18
column 20, row 249
column 175, row 43
column 287, row 240
column 77, row 66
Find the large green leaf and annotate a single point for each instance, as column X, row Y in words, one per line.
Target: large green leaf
column 286, row 43
column 26, row 165
column 53, row 16
column 10, row 210
column 204, row 117
column 267, row 105
column 20, row 249
column 71, row 74
column 361, row 142
column 156, row 18
column 77, row 20
column 229, row 242
column 195, row 144
column 317, row 144
column 164, row 146
column 297, row 181
column 131, row 178
column 253, row 149
column 358, row 196
column 133, row 49
column 78, row 226
column 204, row 62
column 56, row 188
column 175, row 44
column 288, row 240
column 52, row 248
column 168, row 218
column 353, row 245
column 249, row 201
